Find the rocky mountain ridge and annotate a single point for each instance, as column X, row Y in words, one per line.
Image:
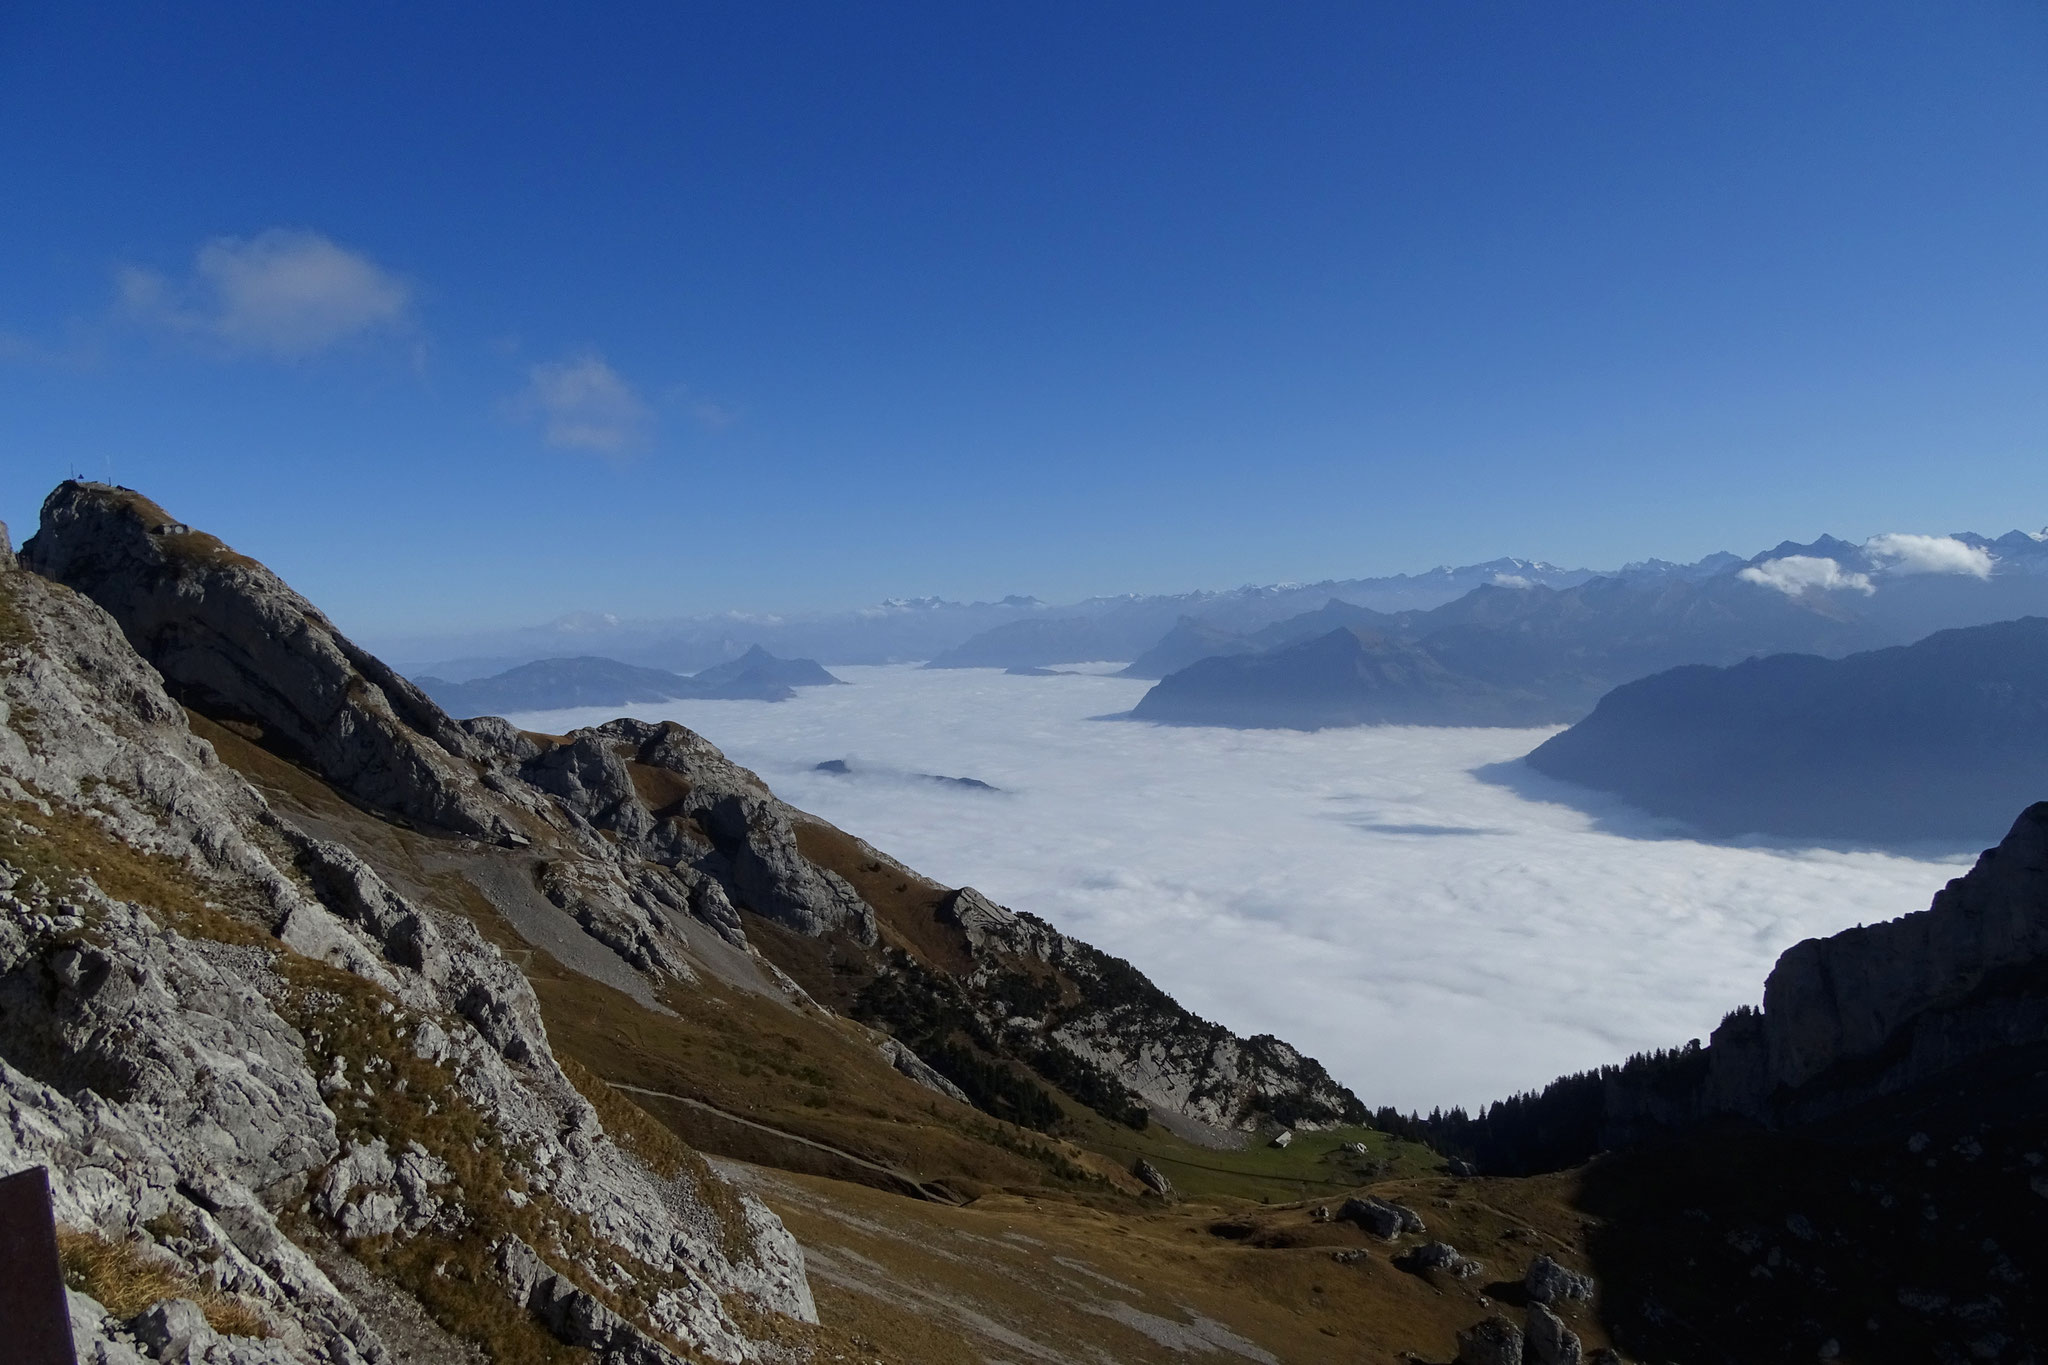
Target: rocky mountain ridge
column 652, row 827
column 246, row 1060
column 1848, row 1024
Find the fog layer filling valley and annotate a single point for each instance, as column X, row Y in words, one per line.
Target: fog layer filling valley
column 1433, row 938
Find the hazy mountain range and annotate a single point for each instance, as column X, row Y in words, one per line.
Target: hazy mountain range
column 1541, row 654
column 1935, row 741
column 930, row 628
column 587, row 680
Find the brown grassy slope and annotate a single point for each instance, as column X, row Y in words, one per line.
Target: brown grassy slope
column 905, row 902
column 818, row 1076
column 941, row 1284
column 1033, row 1278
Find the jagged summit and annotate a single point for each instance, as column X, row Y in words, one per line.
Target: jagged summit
column 231, row 640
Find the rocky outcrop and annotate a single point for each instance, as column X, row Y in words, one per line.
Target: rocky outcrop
column 1841, row 1000
column 1113, row 1019
column 1444, row 1257
column 907, row 1063
column 1847, row 1022
column 1548, row 1341
column 1878, row 1009
column 223, row 1036
column 1546, row 1282
column 1495, row 1341
column 640, row 835
column 1382, row 1219
column 1153, row 1179
column 233, row 641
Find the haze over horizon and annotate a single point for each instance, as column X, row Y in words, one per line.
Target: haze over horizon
column 473, row 319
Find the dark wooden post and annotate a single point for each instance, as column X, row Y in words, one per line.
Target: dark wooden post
column 35, row 1319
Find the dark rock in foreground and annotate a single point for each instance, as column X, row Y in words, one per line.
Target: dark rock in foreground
column 1849, row 1025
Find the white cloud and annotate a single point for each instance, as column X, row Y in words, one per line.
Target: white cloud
column 283, row 292
column 1796, row 574
column 1909, row 554
column 583, row 404
column 1432, row 938
column 1512, row 580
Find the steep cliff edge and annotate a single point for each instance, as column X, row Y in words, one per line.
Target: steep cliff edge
column 1874, row 1010
column 290, row 1113
column 231, row 640
column 1849, row 1025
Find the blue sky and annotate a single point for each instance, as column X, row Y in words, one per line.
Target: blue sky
column 468, row 316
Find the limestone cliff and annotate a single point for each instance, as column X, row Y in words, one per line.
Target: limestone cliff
column 270, row 1085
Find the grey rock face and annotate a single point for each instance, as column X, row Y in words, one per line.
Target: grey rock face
column 1445, row 1257
column 1380, row 1218
column 777, row 881
column 159, row 1054
column 1874, row 1010
column 1153, row 1179
column 1549, row 1341
column 991, row 928
column 909, row 1064
column 1547, row 1282
column 228, row 636
column 575, row 1317
column 1496, row 1341
column 174, row 1326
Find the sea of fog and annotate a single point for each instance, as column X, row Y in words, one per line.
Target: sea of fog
column 1433, row 937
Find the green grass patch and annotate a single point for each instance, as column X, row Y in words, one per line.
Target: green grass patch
column 1316, row 1164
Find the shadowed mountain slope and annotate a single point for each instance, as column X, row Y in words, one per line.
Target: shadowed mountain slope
column 1188, row 642
column 1346, row 677
column 1935, row 741
column 553, row 684
column 758, row 670
column 550, row 683
column 1571, row 645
